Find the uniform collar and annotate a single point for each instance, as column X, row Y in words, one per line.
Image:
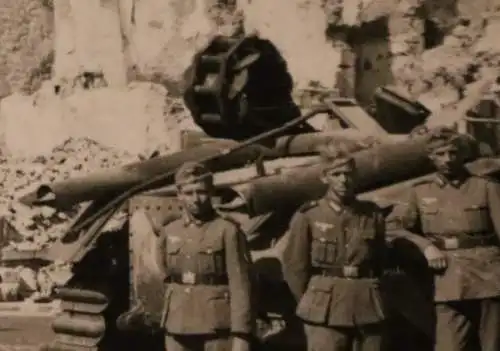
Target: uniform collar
column 338, row 207
column 335, row 206
column 198, row 222
column 456, row 181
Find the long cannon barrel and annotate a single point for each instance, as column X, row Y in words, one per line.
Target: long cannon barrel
column 378, row 166
column 111, row 182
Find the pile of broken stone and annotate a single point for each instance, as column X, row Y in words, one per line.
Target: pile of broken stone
column 40, row 226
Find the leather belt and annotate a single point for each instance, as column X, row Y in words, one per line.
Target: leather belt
column 455, row 243
column 351, row 272
column 190, row 278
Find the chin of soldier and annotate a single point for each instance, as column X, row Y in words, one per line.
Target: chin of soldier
column 198, row 209
column 338, row 194
column 194, row 210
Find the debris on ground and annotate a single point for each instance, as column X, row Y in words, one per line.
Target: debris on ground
column 74, row 157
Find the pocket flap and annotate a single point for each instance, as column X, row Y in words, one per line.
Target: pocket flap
column 218, row 294
column 174, row 244
column 429, row 207
column 368, row 233
column 321, row 284
column 210, row 247
column 322, row 237
column 475, row 207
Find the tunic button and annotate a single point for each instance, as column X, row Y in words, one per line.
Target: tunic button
column 188, row 256
column 187, row 290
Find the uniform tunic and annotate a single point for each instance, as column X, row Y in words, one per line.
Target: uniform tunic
column 446, row 213
column 206, row 265
column 325, row 238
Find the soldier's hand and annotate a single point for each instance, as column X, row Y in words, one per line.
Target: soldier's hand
column 240, row 344
column 436, row 259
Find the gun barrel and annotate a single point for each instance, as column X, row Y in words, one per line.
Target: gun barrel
column 109, row 183
column 112, row 182
column 377, row 167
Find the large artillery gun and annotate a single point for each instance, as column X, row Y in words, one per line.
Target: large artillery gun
column 264, row 156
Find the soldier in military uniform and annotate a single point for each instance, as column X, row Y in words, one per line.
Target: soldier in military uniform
column 332, row 263
column 456, row 222
column 206, row 264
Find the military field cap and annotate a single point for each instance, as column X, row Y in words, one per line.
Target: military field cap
column 335, row 155
column 192, row 172
column 442, row 137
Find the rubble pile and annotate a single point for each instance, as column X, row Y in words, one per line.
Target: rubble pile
column 469, row 47
column 75, row 157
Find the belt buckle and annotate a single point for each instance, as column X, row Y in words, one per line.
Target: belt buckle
column 451, row 243
column 188, row 278
column 350, row 271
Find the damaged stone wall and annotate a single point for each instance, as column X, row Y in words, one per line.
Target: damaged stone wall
column 138, row 40
column 26, row 49
column 103, row 47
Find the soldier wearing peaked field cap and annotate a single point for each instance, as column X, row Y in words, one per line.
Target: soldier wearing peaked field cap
column 333, row 261
column 443, row 137
column 193, row 172
column 334, row 155
column 453, row 219
column 206, row 264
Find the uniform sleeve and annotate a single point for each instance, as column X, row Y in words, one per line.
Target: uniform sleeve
column 493, row 194
column 296, row 255
column 404, row 222
column 238, row 263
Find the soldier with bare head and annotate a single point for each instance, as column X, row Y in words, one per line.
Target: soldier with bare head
column 206, row 264
column 333, row 262
column 455, row 220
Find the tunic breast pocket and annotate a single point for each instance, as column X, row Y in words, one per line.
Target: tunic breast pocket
column 429, row 216
column 323, row 249
column 173, row 256
column 211, row 258
column 368, row 234
column 476, row 218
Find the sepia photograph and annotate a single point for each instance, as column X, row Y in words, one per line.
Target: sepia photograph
column 249, row 175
